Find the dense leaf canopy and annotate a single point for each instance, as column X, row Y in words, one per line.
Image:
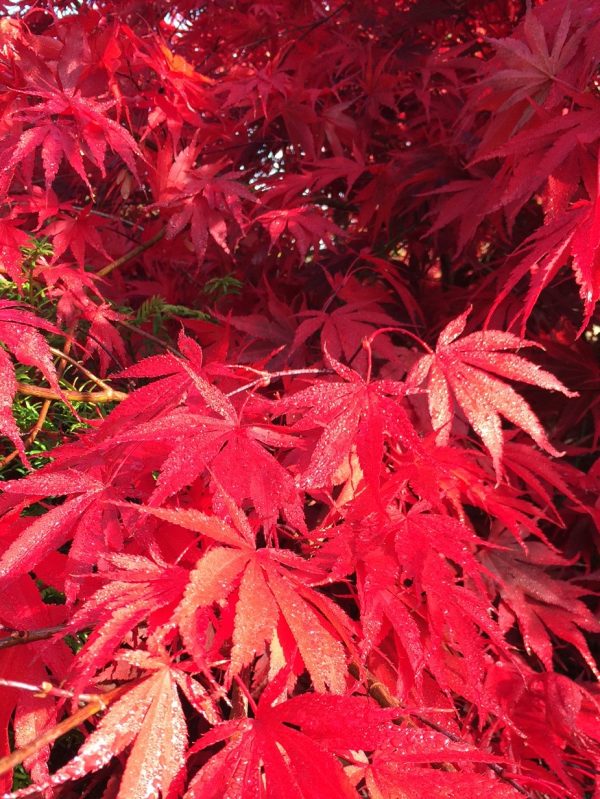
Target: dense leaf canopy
column 299, row 399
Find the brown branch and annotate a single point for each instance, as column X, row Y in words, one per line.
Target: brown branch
column 99, row 703
column 376, row 689
column 64, row 357
column 96, row 397
column 18, row 637
column 45, row 689
column 64, row 354
column 106, row 270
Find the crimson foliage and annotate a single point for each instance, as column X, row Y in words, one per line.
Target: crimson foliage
column 339, row 262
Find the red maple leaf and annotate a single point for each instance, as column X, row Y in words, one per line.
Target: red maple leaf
column 467, row 369
column 289, row 748
column 275, row 600
column 147, row 720
column 19, row 332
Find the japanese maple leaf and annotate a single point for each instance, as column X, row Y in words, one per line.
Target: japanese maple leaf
column 540, row 475
column 77, row 234
column 86, row 518
column 540, row 603
column 536, row 155
column 149, row 721
column 526, row 68
column 404, row 768
column 61, row 121
column 207, row 199
column 233, row 452
column 343, row 329
column 218, row 437
column 304, row 224
column 352, row 413
column 328, row 170
column 19, row 332
column 467, row 369
column 274, row 597
column 290, row 749
column 89, row 133
column 136, row 589
column 12, row 239
column 549, row 713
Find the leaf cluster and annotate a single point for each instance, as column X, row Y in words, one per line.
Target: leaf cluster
column 299, row 399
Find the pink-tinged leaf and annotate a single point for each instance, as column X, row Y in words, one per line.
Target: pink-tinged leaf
column 403, row 769
column 542, row 604
column 44, row 534
column 211, row 526
column 323, row 655
column 466, row 368
column 135, row 589
column 354, row 412
column 252, row 628
column 149, row 717
column 212, row 580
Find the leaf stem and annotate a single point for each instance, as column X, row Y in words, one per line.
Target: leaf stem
column 133, row 253
column 98, row 704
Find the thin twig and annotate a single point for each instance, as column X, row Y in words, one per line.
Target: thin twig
column 267, row 377
column 19, row 637
column 95, row 397
column 95, row 706
column 106, row 270
column 90, row 375
column 112, row 217
column 45, row 689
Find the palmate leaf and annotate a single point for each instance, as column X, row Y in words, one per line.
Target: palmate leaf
column 86, row 517
column 285, row 602
column 135, row 591
column 353, row 412
column 270, row 529
column 149, row 719
column 61, row 121
column 210, row 436
column 401, row 769
column 288, row 750
column 541, row 604
column 467, row 370
column 275, row 598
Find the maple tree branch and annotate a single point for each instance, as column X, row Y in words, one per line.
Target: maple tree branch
column 111, row 217
column 18, row 637
column 64, row 357
column 95, row 397
column 267, row 377
column 106, row 270
column 377, row 690
column 90, row 375
column 99, row 703
column 45, row 689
